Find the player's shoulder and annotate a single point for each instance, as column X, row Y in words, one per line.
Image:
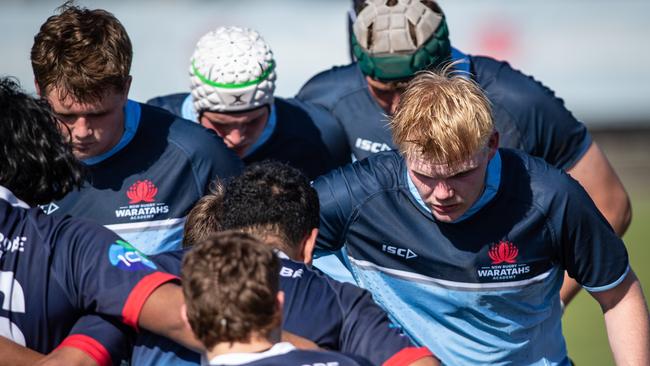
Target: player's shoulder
column 506, row 85
column 170, row 102
column 380, row 170
column 329, row 86
column 195, row 141
column 530, row 176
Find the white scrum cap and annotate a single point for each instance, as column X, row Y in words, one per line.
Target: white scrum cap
column 232, row 69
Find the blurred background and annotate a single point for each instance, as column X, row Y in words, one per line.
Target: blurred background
column 594, row 53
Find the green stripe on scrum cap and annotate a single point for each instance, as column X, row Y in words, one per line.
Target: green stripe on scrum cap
column 435, row 51
column 256, row 81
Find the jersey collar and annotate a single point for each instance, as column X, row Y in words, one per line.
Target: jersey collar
column 7, row 195
column 244, row 358
column 492, row 182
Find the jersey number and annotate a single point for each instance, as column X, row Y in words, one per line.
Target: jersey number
column 13, row 300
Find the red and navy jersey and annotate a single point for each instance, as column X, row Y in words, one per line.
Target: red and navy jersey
column 145, row 189
column 483, row 290
column 285, row 354
column 527, row 114
column 334, row 315
column 296, row 138
column 56, row 269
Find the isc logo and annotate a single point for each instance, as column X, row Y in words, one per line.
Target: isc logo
column 373, row 147
column 400, row 252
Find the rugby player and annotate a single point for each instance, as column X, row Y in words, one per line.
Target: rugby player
column 275, row 202
column 59, row 274
column 233, row 76
column 234, row 305
column 465, row 244
column 364, row 94
column 146, row 166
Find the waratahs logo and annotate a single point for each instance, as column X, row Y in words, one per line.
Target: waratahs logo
column 142, row 191
column 504, row 251
column 504, row 266
column 124, row 256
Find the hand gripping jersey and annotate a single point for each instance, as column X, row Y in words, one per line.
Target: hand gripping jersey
column 335, row 316
column 145, row 189
column 300, row 136
column 285, row 354
column 54, row 270
column 484, row 290
column 527, row 114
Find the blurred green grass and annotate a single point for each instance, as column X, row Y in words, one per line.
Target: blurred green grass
column 583, row 323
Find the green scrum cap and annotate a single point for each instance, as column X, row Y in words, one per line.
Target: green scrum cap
column 393, row 42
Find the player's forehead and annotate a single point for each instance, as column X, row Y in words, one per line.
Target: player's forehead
column 426, row 167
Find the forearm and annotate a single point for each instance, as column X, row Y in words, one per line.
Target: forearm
column 161, row 314
column 13, row 354
column 628, row 325
column 67, row 356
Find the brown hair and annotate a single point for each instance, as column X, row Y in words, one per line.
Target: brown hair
column 230, row 282
column 203, row 220
column 443, row 117
column 82, row 53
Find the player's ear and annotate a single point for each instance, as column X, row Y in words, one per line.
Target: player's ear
column 184, row 315
column 308, row 244
column 493, row 144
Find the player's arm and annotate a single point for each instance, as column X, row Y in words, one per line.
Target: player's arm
column 598, row 178
column 161, row 314
column 627, row 321
column 66, row 356
column 13, row 354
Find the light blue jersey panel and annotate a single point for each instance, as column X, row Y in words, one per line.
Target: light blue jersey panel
column 509, row 323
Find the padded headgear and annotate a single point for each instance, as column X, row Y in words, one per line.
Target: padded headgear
column 232, row 69
column 393, row 42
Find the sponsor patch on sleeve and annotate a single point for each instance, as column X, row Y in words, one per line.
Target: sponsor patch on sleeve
column 125, row 256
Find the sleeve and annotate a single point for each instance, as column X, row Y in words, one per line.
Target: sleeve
column 101, row 273
column 591, row 251
column 547, row 129
column 335, row 207
column 367, row 331
column 212, row 159
column 104, row 340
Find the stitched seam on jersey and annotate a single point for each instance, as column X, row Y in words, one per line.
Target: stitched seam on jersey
column 408, row 355
column 89, row 346
column 188, row 156
column 466, row 286
column 137, row 226
column 139, row 295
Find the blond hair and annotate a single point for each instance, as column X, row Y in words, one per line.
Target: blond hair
column 443, row 117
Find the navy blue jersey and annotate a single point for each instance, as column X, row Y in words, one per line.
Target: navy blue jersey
column 296, row 138
column 56, row 269
column 335, row 316
column 484, row 290
column 144, row 191
column 285, row 354
column 527, row 114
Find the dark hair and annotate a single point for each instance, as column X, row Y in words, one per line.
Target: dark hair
column 271, row 199
column 82, row 53
column 230, row 283
column 36, row 163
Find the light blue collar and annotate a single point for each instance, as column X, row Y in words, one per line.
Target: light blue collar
column 492, row 182
column 464, row 62
column 187, row 109
column 132, row 111
column 190, row 113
